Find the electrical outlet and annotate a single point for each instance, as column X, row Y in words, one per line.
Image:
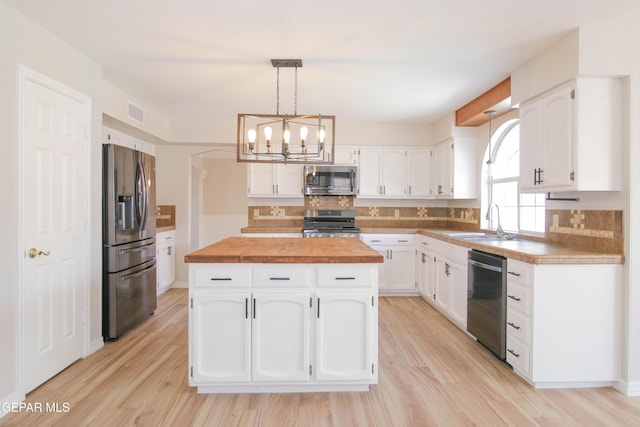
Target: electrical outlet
column 397, row 213
column 256, row 212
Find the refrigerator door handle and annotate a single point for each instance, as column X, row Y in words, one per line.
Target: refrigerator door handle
column 143, row 198
column 138, row 273
column 136, row 249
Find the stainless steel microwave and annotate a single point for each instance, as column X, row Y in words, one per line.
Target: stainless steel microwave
column 330, row 180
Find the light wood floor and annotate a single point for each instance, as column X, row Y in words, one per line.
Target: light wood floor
column 431, row 374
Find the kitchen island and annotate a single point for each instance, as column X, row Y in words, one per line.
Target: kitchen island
column 283, row 315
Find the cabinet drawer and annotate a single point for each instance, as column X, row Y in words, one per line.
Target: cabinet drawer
column 425, row 243
column 518, row 355
column 346, row 276
column 518, row 325
column 389, row 239
column 518, row 297
column 519, row 271
column 279, row 277
column 213, row 277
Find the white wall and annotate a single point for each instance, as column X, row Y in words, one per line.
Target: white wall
column 24, row 42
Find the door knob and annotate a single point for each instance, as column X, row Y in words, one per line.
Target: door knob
column 33, row 252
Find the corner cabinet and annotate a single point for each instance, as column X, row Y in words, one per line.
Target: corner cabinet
column 274, row 180
column 570, row 137
column 284, row 327
column 397, row 272
column 454, row 169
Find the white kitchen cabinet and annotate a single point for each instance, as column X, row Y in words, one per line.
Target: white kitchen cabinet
column 282, row 327
column 381, row 172
column 563, row 323
column 402, row 172
column 454, row 169
column 451, row 282
column 397, row 272
column 570, row 137
column 344, row 343
column 418, row 173
column 426, row 268
column 274, row 180
column 165, row 260
column 280, row 336
column 346, row 156
column 220, row 327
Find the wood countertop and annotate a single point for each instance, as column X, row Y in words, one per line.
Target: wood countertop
column 526, row 250
column 278, row 250
column 530, row 251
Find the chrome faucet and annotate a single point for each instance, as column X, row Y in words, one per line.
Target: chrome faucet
column 499, row 230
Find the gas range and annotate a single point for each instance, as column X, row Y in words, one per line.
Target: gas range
column 330, row 223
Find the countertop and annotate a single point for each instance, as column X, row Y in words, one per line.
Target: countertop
column 276, row 250
column 529, row 251
column 167, row 228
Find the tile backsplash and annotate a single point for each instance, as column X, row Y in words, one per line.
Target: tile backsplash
column 599, row 230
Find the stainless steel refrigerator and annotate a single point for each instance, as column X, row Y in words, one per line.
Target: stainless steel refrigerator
column 129, row 238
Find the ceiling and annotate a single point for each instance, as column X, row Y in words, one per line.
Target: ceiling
column 382, row 60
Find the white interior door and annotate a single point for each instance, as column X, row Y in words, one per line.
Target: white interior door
column 54, row 230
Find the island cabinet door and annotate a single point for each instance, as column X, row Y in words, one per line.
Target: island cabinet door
column 281, row 336
column 221, row 338
column 344, row 336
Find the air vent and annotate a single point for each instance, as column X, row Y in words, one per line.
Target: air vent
column 135, row 113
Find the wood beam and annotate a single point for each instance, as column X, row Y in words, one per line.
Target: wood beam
column 496, row 98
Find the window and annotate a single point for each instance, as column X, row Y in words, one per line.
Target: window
column 518, row 212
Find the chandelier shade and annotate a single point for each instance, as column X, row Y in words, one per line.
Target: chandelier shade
column 285, row 138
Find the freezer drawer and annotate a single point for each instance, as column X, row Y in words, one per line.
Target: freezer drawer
column 129, row 299
column 122, row 257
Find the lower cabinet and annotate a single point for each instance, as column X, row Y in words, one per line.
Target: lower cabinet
column 397, row 273
column 563, row 323
column 450, row 282
column 283, row 329
column 343, row 336
column 165, row 260
column 220, row 337
column 280, row 337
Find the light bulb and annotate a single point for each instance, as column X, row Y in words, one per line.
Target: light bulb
column 287, row 136
column 267, row 135
column 303, row 135
column 251, row 134
column 321, row 135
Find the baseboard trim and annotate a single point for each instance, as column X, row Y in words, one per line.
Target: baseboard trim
column 95, row 346
column 631, row 389
column 8, row 402
column 180, row 284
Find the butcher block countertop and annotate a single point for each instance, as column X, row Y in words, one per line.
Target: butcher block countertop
column 282, row 250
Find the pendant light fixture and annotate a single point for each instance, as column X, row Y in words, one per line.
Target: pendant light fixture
column 276, row 138
column 490, row 114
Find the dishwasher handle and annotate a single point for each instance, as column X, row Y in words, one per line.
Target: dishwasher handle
column 485, row 266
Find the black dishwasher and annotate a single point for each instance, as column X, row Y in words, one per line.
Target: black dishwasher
column 486, row 300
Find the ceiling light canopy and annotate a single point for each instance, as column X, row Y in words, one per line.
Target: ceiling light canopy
column 276, row 138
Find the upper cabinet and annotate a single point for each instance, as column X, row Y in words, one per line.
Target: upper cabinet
column 381, row 172
column 570, row 137
column 454, row 169
column 399, row 173
column 346, row 156
column 274, row 180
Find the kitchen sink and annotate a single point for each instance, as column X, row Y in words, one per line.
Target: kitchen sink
column 477, row 236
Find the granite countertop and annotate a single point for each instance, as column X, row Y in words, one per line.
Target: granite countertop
column 526, row 250
column 292, row 250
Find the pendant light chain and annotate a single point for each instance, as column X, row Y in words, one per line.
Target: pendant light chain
column 295, row 97
column 278, row 91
